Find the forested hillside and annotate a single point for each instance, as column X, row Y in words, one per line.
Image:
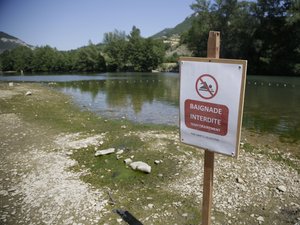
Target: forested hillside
column 120, row 52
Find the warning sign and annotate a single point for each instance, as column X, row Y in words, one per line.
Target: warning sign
column 211, row 103
column 207, row 86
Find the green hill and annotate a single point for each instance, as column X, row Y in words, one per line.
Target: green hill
column 178, row 29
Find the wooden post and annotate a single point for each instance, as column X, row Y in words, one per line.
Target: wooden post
column 213, row 51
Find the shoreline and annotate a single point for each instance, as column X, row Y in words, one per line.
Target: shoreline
column 46, row 128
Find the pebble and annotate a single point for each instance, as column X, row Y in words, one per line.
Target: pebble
column 105, row 151
column 240, row 180
column 28, row 93
column 69, row 153
column 260, row 219
column 185, row 215
column 127, row 161
column 281, row 188
column 120, row 152
column 4, row 192
column 150, row 206
column 157, row 162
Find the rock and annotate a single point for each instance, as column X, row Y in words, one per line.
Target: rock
column 28, row 93
column 141, row 166
column 127, row 161
column 69, row 153
column 260, row 219
column 120, row 152
column 281, row 188
column 185, row 215
column 105, row 151
column 4, row 192
column 150, row 206
column 123, row 127
column 240, row 180
column 157, row 162
column 10, row 84
column 160, row 175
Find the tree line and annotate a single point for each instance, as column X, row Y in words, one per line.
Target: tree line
column 47, row 59
column 119, row 52
column 265, row 32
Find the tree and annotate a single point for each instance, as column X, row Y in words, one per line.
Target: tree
column 135, row 49
column 265, row 32
column 89, row 59
column 7, row 61
column 275, row 50
column 115, row 49
column 43, row 59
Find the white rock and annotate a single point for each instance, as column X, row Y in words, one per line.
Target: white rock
column 105, row 151
column 69, row 153
column 240, row 180
column 10, row 84
column 150, row 206
column 157, row 162
column 123, row 127
column 281, row 188
column 120, row 152
column 28, row 93
column 141, row 166
column 260, row 219
column 4, row 192
column 127, row 161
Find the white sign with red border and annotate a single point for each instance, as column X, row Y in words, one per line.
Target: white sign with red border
column 211, row 103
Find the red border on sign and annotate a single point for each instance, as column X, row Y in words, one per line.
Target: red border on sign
column 200, row 79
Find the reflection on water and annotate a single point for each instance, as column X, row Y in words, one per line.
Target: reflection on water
column 148, row 98
column 272, row 104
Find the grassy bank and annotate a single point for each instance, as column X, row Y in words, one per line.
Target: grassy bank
column 155, row 198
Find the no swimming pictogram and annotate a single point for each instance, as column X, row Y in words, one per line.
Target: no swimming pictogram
column 207, row 86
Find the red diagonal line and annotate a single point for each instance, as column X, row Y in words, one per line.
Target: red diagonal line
column 205, row 84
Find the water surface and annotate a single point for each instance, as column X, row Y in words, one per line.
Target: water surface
column 272, row 104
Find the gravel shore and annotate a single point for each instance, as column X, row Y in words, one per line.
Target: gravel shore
column 37, row 185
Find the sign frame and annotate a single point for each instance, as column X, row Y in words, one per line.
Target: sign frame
column 240, row 103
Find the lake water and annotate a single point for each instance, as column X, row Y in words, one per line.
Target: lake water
column 272, row 104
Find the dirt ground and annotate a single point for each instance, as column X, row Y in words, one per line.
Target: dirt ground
column 37, row 185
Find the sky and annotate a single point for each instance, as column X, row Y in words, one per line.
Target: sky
column 69, row 24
